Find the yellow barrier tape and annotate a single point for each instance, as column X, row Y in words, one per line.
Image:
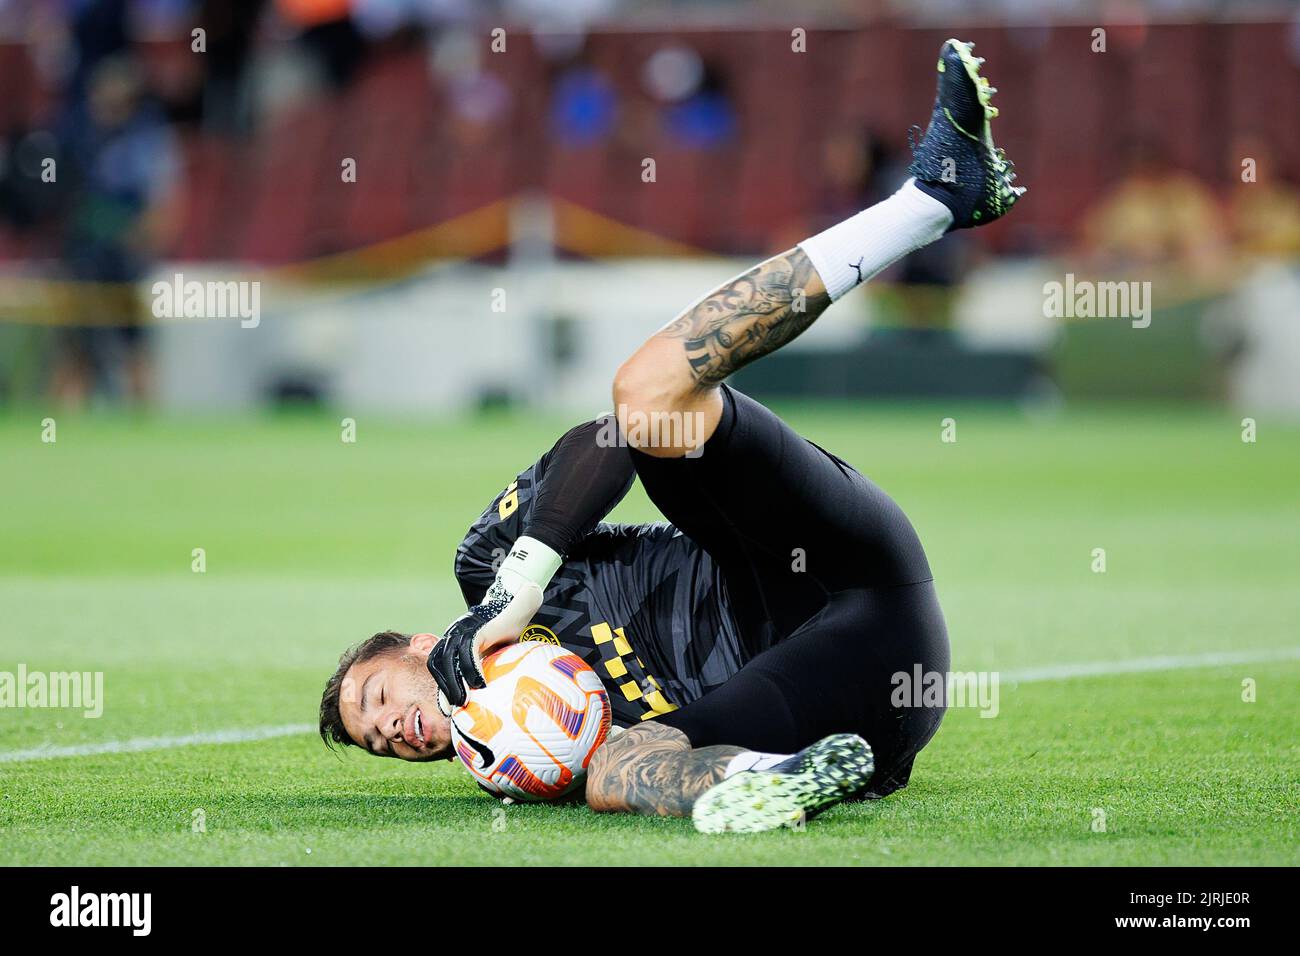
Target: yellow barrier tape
column 577, row 229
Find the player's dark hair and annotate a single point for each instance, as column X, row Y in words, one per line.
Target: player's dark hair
column 331, row 721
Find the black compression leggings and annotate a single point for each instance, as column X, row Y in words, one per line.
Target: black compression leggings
column 828, row 583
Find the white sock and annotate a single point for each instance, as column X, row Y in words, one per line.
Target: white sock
column 752, row 760
column 858, row 248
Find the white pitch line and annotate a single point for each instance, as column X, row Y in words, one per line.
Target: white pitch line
column 1140, row 665
column 1031, row 675
column 138, row 744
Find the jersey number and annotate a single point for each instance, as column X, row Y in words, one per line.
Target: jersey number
column 509, row 503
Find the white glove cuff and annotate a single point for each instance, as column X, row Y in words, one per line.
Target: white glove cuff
column 529, row 561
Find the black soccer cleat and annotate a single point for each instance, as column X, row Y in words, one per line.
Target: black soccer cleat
column 956, row 161
column 789, row 793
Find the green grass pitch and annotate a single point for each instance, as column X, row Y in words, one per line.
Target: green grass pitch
column 312, row 543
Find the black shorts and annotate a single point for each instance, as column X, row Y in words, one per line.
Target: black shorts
column 827, row 582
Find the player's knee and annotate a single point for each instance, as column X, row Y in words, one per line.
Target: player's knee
column 657, row 378
column 661, row 409
column 640, row 387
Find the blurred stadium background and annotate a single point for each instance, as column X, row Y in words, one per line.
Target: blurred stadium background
column 470, row 291
column 1171, row 157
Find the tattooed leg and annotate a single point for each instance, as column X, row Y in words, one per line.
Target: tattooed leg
column 749, row 317
column 678, row 370
column 651, row 769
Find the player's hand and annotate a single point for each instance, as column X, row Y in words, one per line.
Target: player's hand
column 456, row 661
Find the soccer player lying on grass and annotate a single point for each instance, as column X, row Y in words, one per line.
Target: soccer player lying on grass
column 748, row 645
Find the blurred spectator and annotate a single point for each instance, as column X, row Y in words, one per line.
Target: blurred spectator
column 122, row 168
column 584, row 106
column 1264, row 214
column 699, row 111
column 1157, row 216
column 98, row 30
column 566, row 13
column 706, row 118
column 929, row 278
column 378, row 19
column 480, row 101
column 858, row 169
column 328, row 35
column 672, row 73
column 230, row 26
column 480, row 104
column 27, row 203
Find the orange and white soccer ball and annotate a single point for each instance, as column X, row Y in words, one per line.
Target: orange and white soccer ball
column 530, row 733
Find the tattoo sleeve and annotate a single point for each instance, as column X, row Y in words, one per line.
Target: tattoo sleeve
column 652, row 769
column 752, row 315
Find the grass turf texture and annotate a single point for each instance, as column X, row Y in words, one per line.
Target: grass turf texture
column 312, row 543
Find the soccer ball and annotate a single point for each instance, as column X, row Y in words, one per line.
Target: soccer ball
column 530, row 733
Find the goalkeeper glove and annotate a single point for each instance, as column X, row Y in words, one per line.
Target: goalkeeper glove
column 456, row 661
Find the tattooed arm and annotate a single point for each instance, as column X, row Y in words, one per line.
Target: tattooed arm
column 752, row 315
column 652, row 769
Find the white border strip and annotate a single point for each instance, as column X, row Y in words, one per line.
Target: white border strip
column 1033, row 675
column 1139, row 665
column 138, row 744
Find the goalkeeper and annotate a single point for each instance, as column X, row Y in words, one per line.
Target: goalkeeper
column 750, row 643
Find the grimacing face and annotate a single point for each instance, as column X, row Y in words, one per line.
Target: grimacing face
column 389, row 704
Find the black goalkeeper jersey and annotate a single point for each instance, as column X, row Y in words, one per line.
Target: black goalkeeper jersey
column 642, row 604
